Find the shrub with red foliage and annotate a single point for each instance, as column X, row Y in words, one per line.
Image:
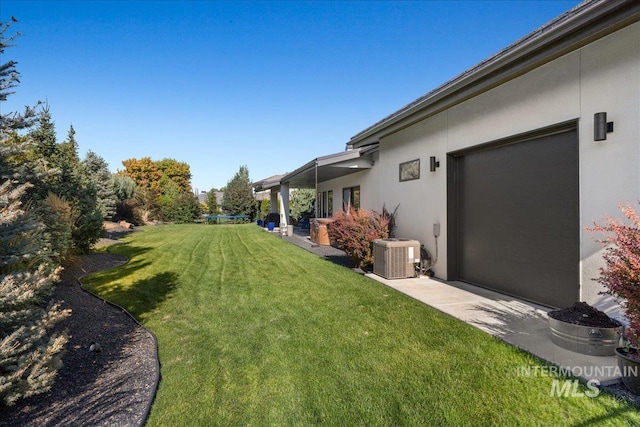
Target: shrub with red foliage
column 355, row 230
column 621, row 274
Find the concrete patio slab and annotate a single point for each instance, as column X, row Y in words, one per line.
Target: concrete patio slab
column 519, row 323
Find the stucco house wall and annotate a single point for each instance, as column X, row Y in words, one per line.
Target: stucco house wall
column 609, row 170
column 555, row 79
column 421, row 202
column 603, row 76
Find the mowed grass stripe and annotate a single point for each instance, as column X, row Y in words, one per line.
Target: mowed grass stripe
column 255, row 331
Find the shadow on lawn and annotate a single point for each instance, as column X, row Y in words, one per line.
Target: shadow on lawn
column 141, row 297
column 612, row 415
column 343, row 260
column 150, row 293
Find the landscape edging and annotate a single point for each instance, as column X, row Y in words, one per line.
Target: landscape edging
column 151, row 334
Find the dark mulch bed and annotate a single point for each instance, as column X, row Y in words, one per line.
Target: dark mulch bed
column 113, row 387
column 583, row 314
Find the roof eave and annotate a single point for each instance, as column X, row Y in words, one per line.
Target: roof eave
column 581, row 25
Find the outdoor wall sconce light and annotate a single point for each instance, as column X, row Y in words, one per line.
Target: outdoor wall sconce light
column 600, row 126
column 433, row 164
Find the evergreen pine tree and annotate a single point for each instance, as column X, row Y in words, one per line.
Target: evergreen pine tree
column 96, row 172
column 66, row 160
column 29, row 355
column 212, row 201
column 44, row 142
column 238, row 195
column 69, row 205
column 69, row 148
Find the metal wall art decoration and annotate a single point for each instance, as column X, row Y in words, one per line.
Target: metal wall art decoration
column 410, row 170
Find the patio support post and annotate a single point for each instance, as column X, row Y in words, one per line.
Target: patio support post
column 284, row 214
column 315, row 202
column 274, row 201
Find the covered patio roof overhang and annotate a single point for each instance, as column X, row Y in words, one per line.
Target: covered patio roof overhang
column 318, row 170
column 330, row 167
column 267, row 183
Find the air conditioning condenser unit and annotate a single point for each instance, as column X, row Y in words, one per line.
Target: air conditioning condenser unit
column 395, row 258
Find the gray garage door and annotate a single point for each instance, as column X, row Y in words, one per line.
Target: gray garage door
column 516, row 224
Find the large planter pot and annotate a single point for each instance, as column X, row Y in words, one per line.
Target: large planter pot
column 589, row 340
column 319, row 233
column 629, row 368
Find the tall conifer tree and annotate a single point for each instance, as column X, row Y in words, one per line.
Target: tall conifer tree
column 96, row 173
column 29, row 354
column 238, row 196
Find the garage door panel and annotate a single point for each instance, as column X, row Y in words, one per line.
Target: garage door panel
column 517, row 218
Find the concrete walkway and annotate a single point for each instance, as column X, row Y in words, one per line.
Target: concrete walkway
column 519, row 323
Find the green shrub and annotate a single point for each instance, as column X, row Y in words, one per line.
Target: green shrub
column 301, row 203
column 265, row 208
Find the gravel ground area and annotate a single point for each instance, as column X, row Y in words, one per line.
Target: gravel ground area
column 112, row 387
column 303, row 239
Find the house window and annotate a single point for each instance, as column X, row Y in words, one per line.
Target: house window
column 324, row 204
column 351, row 197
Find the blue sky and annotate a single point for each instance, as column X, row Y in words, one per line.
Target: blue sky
column 220, row 84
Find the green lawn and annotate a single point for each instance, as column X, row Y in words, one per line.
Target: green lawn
column 255, row 331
